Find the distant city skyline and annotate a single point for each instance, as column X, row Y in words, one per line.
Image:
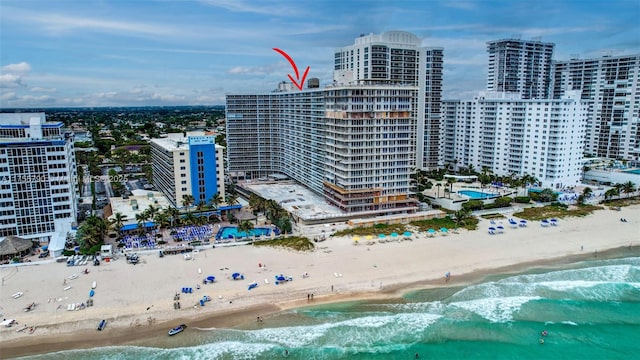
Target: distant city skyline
column 145, row 53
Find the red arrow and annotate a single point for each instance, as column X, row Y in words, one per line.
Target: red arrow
column 295, row 68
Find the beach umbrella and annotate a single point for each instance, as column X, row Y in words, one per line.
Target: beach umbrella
column 492, row 228
column 356, row 238
column 444, row 230
column 381, row 236
column 406, row 233
column 500, row 228
column 431, row 232
column 394, row 234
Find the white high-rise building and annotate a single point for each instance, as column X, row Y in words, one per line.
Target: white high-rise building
column 38, row 178
column 188, row 165
column 522, row 66
column 612, row 84
column 398, row 57
column 354, row 144
column 514, row 136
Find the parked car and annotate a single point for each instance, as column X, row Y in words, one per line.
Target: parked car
column 44, row 254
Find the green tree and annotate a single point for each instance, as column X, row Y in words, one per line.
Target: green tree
column 92, row 232
column 628, row 188
column 117, row 221
column 245, row 227
column 187, row 201
column 450, row 182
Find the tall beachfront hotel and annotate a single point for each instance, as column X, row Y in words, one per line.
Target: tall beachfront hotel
column 612, row 84
column 515, row 136
column 38, row 179
column 191, row 164
column 522, row 66
column 356, row 141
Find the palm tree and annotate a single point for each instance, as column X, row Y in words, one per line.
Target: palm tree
column 438, row 185
column 484, row 180
column 142, row 219
column 92, row 232
column 585, row 195
column 190, row 219
column 173, row 214
column 118, row 221
column 187, row 201
column 461, row 215
column 245, row 227
column 162, row 220
column 450, row 181
column 215, row 201
column 628, row 187
column 610, row 193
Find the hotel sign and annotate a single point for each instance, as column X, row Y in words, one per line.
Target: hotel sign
column 201, row 140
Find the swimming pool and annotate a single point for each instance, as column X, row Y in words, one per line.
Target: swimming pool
column 634, row 171
column 230, row 232
column 477, row 195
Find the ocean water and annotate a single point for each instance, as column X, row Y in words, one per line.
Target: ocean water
column 591, row 310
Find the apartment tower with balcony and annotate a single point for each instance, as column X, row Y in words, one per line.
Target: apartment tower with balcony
column 38, row 178
column 353, row 144
column 522, row 66
column 612, row 85
column 514, row 136
column 398, row 57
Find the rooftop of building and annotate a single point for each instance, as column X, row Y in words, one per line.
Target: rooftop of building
column 137, row 203
column 295, row 198
column 24, row 120
column 177, row 141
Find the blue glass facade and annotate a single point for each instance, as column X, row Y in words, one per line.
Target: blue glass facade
column 202, row 158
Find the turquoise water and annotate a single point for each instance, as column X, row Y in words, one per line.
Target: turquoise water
column 634, row 171
column 591, row 311
column 228, row 232
column 476, row 195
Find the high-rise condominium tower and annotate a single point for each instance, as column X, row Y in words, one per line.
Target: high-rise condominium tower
column 522, row 66
column 612, row 85
column 38, row 178
column 398, row 57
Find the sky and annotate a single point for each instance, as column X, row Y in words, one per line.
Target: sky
column 94, row 53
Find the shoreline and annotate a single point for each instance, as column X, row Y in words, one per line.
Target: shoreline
column 137, row 300
column 245, row 316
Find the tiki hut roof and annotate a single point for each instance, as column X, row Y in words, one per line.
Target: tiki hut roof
column 14, row 245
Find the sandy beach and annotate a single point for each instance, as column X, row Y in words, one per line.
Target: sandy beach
column 138, row 300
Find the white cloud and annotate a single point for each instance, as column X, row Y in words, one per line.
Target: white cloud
column 7, row 96
column 280, row 67
column 261, row 7
column 19, row 68
column 41, row 89
column 13, row 74
column 10, row 81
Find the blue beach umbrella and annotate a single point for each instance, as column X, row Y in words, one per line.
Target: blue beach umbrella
column 406, row 233
column 394, row 234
